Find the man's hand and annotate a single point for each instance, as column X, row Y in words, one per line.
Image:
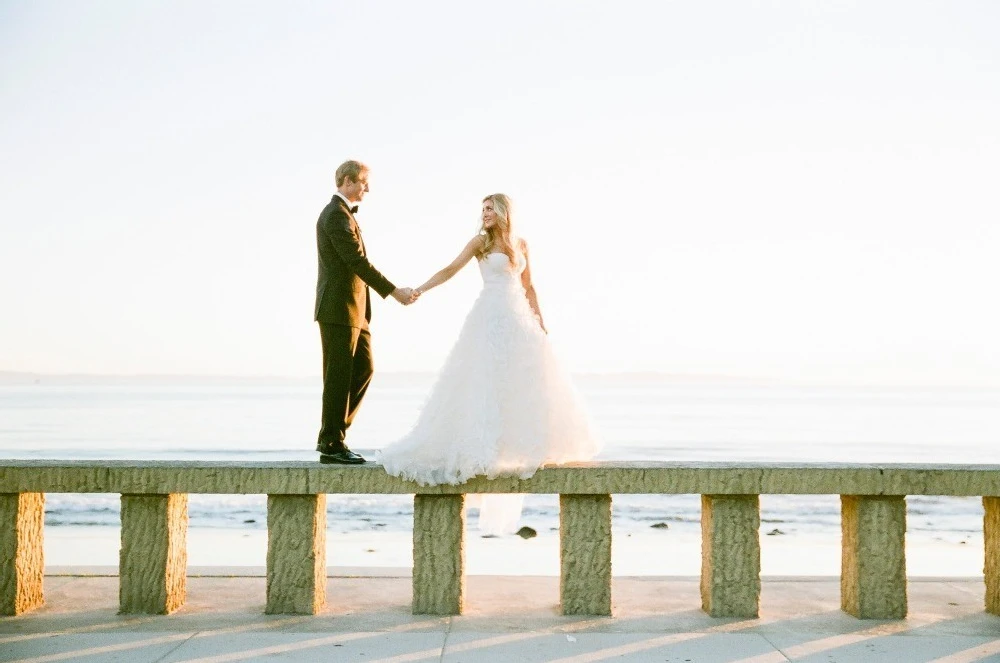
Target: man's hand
column 405, row 296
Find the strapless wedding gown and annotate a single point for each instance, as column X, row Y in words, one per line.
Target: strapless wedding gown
column 501, row 406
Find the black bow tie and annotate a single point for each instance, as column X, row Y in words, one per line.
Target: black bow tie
column 354, row 210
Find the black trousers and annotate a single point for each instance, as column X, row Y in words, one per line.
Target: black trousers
column 347, row 372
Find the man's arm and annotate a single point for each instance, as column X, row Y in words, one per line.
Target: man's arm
column 347, row 243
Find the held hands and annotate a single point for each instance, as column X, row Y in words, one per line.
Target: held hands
column 405, row 296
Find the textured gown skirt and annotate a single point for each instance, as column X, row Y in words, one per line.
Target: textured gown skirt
column 501, row 406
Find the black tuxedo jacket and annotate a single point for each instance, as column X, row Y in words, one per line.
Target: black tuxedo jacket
column 342, row 296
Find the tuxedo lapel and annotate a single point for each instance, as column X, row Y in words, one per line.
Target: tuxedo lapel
column 347, row 210
column 343, row 205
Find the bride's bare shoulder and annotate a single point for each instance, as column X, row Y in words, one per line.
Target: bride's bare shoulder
column 474, row 247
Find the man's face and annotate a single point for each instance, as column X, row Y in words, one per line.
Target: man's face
column 355, row 191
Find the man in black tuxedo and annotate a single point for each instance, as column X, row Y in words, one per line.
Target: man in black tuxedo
column 343, row 310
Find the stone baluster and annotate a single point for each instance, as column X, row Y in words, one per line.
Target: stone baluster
column 438, row 554
column 991, row 541
column 730, row 555
column 22, row 562
column 153, row 557
column 296, row 554
column 585, row 554
column 873, row 556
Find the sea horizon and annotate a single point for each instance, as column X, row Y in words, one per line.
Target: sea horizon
column 12, row 377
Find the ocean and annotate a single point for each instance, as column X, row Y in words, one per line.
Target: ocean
column 639, row 417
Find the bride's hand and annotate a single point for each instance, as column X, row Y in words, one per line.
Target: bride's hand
column 405, row 296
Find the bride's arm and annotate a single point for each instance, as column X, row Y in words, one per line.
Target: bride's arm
column 470, row 250
column 529, row 288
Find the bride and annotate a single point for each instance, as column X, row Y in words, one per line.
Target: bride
column 502, row 405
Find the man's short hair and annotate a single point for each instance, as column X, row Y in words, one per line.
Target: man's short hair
column 351, row 170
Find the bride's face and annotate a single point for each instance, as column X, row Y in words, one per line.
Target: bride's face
column 489, row 214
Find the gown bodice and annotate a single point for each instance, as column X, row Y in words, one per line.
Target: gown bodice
column 497, row 270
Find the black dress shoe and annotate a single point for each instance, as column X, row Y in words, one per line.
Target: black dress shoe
column 345, row 457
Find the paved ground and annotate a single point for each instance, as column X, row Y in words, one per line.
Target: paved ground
column 508, row 619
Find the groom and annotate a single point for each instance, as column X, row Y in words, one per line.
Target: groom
column 343, row 310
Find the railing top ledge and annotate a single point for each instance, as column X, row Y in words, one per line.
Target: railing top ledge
column 605, row 477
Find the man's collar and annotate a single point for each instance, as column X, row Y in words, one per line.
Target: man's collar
column 351, row 207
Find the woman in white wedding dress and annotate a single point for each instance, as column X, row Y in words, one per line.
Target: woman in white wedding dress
column 502, row 404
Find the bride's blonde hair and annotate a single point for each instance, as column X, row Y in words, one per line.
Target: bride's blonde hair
column 500, row 235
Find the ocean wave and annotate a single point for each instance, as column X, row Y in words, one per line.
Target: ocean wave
column 801, row 513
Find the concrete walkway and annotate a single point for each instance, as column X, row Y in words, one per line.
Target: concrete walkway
column 509, row 619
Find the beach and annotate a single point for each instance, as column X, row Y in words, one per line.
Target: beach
column 654, row 553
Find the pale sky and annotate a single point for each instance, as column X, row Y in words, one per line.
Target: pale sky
column 781, row 190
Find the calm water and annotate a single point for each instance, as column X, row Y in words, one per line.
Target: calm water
column 639, row 417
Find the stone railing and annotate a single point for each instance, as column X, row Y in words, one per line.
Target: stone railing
column 153, row 557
